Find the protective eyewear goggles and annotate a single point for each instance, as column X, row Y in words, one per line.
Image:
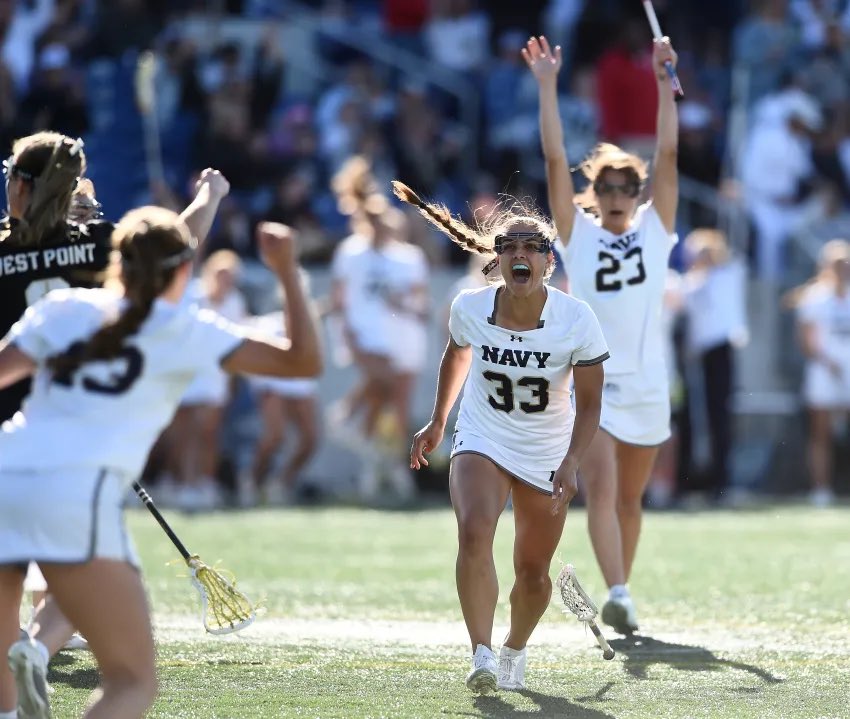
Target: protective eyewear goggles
column 629, row 189
column 529, row 241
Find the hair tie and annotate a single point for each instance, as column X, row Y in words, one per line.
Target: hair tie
column 76, row 147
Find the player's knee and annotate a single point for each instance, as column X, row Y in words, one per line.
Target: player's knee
column 475, row 536
column 532, row 577
column 629, row 503
column 138, row 681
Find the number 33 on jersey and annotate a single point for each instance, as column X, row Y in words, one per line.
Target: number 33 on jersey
column 517, row 393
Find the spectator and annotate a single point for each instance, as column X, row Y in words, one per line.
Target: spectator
column 458, row 36
column 56, row 100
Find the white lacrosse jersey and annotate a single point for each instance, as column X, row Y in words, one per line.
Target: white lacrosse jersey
column 517, row 393
column 830, row 315
column 106, row 414
column 622, row 278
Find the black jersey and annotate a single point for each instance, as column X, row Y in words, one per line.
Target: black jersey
column 73, row 257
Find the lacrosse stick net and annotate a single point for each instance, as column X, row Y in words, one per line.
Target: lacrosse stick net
column 577, row 602
column 224, row 609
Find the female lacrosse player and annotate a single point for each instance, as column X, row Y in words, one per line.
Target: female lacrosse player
column 107, row 378
column 192, row 438
column 515, row 343
column 823, row 316
column 40, row 250
column 615, row 252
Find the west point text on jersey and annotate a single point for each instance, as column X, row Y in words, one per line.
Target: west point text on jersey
column 47, row 258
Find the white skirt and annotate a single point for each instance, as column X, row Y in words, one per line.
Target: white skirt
column 207, row 388
column 636, row 409
column 294, row 388
column 518, row 466
column 823, row 390
column 64, row 516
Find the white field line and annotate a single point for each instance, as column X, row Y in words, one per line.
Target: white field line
column 568, row 637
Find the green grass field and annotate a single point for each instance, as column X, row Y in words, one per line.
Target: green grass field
column 744, row 614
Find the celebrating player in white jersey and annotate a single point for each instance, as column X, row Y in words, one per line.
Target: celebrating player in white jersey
column 615, row 254
column 515, row 344
column 823, row 315
column 108, row 371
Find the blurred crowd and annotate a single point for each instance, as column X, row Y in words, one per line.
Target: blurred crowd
column 764, row 129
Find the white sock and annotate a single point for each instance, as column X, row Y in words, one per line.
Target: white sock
column 619, row 591
column 508, row 652
column 42, row 649
column 9, row 715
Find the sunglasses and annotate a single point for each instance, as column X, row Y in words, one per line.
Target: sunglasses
column 10, row 170
column 630, row 189
column 529, row 241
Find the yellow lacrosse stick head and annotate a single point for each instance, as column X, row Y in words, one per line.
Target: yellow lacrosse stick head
column 224, row 609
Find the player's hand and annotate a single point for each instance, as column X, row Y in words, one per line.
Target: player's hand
column 276, row 243
column 662, row 52
column 542, row 62
column 218, row 184
column 564, row 486
column 424, row 442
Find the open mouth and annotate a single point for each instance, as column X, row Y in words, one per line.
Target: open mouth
column 520, row 272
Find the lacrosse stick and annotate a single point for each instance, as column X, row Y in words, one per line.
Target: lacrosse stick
column 146, row 100
column 576, row 601
column 657, row 34
column 224, row 609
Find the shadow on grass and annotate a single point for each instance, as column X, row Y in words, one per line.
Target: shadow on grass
column 548, row 707
column 642, row 652
column 66, row 669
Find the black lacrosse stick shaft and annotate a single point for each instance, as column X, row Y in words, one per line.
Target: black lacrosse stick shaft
column 148, row 502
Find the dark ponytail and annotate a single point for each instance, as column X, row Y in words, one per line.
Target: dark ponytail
column 55, row 162
column 153, row 243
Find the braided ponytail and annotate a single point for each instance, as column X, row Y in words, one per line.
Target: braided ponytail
column 153, row 243
column 441, row 218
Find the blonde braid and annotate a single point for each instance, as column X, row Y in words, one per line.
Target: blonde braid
column 441, row 218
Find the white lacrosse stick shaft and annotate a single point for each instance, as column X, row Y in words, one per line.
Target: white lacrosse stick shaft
column 657, row 34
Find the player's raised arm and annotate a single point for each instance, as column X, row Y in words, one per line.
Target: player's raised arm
column 300, row 355
column 545, row 65
column 665, row 183
column 212, row 187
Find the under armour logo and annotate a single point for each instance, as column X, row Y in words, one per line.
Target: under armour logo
column 516, row 338
column 460, row 444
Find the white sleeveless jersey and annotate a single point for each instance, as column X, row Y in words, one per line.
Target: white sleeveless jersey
column 517, row 392
column 622, row 278
column 106, row 414
column 830, row 315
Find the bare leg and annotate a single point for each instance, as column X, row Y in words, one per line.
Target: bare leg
column 11, row 594
column 633, row 467
column 537, row 537
column 271, row 409
column 50, row 626
column 302, row 412
column 106, row 600
column 820, row 448
column 479, row 492
column 599, row 480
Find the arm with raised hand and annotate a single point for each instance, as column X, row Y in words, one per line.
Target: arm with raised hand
column 665, row 183
column 212, row 187
column 545, row 65
column 300, row 354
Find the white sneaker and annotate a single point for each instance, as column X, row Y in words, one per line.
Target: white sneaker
column 482, row 679
column 512, row 668
column 30, row 670
column 77, row 642
column 822, row 497
column 620, row 613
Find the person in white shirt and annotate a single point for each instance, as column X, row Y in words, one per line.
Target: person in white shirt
column 380, row 289
column 615, row 253
column 192, row 438
column 513, row 347
column 109, row 368
column 823, row 316
column 714, row 289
